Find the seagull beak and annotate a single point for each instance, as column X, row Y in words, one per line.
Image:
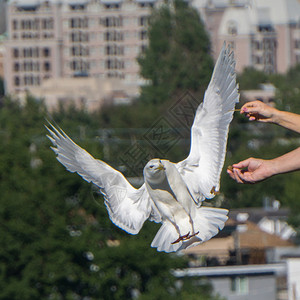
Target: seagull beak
column 160, row 167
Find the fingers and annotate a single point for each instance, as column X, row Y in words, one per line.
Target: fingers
column 240, row 171
column 252, row 107
column 243, row 176
column 242, row 164
column 235, row 174
column 258, row 111
column 250, row 110
column 239, row 176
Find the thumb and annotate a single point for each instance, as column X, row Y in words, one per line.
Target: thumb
column 242, row 164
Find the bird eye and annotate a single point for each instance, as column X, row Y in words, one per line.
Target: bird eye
column 151, row 166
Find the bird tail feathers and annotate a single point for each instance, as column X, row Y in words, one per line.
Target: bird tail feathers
column 207, row 222
column 164, row 238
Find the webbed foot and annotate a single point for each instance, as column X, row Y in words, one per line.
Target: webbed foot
column 185, row 237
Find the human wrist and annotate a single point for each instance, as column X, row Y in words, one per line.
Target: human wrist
column 276, row 116
column 273, row 167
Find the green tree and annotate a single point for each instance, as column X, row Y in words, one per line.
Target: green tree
column 251, row 78
column 253, row 139
column 56, row 238
column 178, row 55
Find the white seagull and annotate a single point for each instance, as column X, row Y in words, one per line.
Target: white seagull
column 173, row 192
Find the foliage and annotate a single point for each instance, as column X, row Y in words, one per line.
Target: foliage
column 177, row 57
column 56, row 239
column 251, row 139
column 251, row 78
column 288, row 93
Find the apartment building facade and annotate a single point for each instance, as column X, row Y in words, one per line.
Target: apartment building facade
column 102, row 38
column 264, row 34
column 49, row 39
column 2, row 17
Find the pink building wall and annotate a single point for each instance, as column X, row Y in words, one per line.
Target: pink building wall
column 95, row 39
column 110, row 35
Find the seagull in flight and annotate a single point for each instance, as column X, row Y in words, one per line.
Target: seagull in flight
column 172, row 193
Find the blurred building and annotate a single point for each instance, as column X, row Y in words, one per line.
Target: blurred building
column 2, row 36
column 254, row 256
column 82, row 92
column 2, row 50
column 273, row 281
column 102, row 38
column 264, row 34
column 72, row 38
column 2, row 16
column 246, row 237
column 265, row 93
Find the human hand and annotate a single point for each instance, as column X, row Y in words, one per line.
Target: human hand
column 251, row 170
column 259, row 111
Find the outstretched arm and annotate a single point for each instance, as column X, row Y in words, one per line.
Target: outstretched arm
column 259, row 111
column 253, row 170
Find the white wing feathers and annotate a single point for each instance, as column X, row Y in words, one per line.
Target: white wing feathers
column 201, row 170
column 128, row 207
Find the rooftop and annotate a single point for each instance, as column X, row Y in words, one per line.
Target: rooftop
column 233, row 270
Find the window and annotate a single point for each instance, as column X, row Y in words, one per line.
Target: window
column 257, row 60
column 77, row 7
column 143, row 49
column 265, row 28
column 37, row 67
column 26, row 24
column 35, row 52
column 232, row 28
column 36, row 24
column 113, row 36
column 79, row 36
column 143, row 35
column 79, row 23
column 115, row 74
column 47, row 66
column 114, row 64
column 15, row 25
column 28, row 80
column 297, row 44
column 257, row 45
column 80, row 66
column 112, row 6
column 15, row 53
column 44, row 23
column 27, row 52
column 114, row 50
column 16, row 67
column 17, row 81
column 27, row 66
column 46, row 52
column 112, row 21
column 79, row 51
column 240, row 285
column 144, row 20
column 146, row 4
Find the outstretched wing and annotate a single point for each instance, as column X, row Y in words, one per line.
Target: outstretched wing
column 201, row 170
column 128, row 207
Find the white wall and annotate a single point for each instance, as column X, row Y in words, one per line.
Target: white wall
column 293, row 277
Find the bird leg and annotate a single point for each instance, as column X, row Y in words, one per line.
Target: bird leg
column 214, row 192
column 181, row 238
column 185, row 237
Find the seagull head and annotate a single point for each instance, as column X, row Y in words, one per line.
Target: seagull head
column 154, row 171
